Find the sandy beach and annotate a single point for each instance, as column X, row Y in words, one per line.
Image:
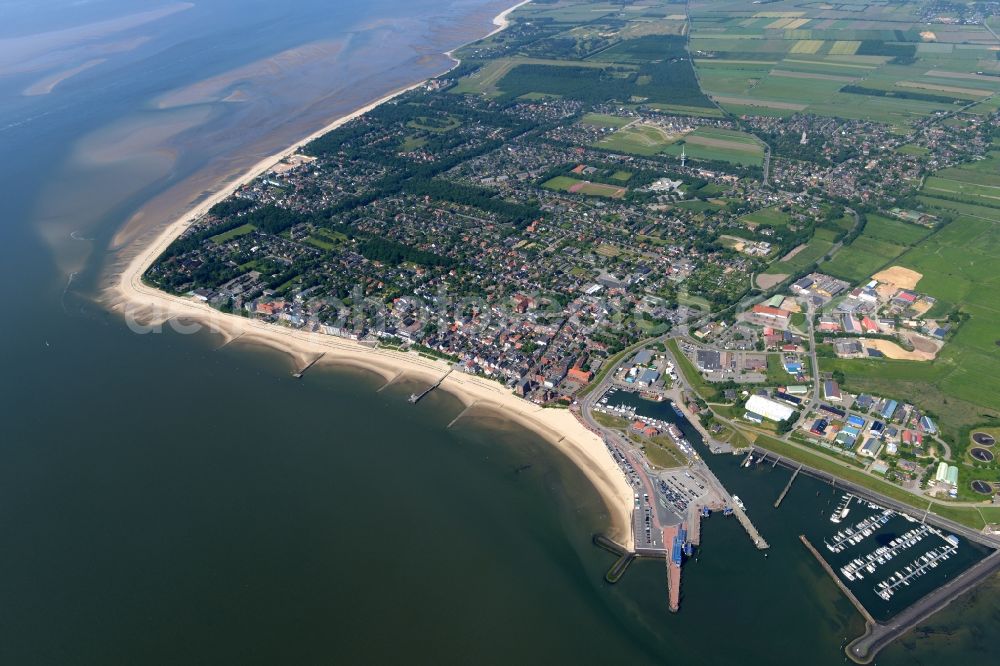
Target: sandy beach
column 137, row 301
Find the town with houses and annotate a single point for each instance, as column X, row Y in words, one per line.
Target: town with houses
column 537, row 241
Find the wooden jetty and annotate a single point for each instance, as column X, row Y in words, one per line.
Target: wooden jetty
column 788, row 487
column 417, row 397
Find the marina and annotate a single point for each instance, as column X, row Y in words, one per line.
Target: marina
column 887, row 562
column 868, row 542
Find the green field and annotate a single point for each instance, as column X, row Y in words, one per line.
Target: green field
column 604, row 120
column 719, row 145
column 768, row 217
column 883, row 240
column 572, row 185
column 706, row 143
column 774, row 65
column 639, row 139
column 894, row 231
column 817, row 246
column 962, row 385
column 233, row 233
column 681, row 110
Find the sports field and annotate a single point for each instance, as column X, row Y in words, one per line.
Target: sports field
column 574, row 186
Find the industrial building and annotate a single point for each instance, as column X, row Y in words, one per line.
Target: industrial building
column 769, row 409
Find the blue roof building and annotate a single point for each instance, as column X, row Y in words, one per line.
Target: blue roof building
column 889, row 409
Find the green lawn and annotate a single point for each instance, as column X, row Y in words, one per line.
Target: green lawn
column 638, row 139
column 241, row 230
column 768, row 217
column 815, row 249
column 691, row 374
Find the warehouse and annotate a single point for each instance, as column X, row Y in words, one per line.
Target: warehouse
column 769, row 409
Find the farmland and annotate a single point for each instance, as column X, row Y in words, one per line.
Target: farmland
column 768, row 62
column 958, row 263
column 882, row 241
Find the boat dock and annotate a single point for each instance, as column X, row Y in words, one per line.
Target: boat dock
column 673, row 562
column 755, row 536
column 862, row 650
column 694, row 525
column 417, row 397
column 843, row 588
column 784, row 492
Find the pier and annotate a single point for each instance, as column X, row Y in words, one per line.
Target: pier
column 862, row 650
column 417, row 397
column 788, row 487
column 673, row 570
column 755, row 536
column 298, row 375
column 843, row 588
column 694, row 524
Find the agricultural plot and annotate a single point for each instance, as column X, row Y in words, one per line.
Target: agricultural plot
column 871, row 62
column 987, row 195
column 883, row 240
column 976, row 183
column 894, row 231
column 844, row 47
column 864, row 257
column 958, row 267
